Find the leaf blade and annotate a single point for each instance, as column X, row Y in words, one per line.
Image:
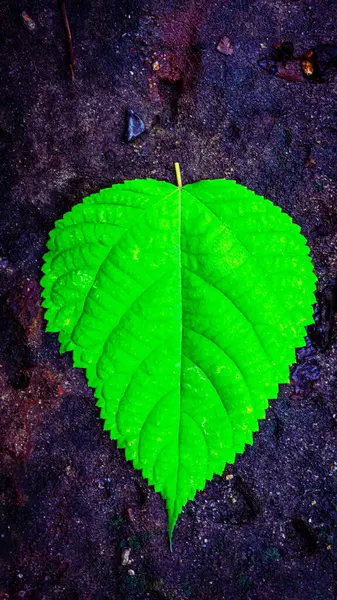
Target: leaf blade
column 165, row 284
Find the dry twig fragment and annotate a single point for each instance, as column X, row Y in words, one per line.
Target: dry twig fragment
column 69, row 39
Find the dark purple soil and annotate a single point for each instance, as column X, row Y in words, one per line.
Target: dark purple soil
column 70, row 501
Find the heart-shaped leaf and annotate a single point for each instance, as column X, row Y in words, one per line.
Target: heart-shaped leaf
column 185, row 306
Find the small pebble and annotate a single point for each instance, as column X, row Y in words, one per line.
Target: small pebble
column 28, row 22
column 308, row 67
column 134, row 125
column 224, row 46
column 229, row 477
column 131, row 572
column 126, row 557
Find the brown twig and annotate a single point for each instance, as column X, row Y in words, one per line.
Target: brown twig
column 69, row 39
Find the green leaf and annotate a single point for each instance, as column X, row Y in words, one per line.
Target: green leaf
column 185, row 307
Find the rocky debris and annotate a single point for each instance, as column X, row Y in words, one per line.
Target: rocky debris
column 28, row 22
column 305, row 371
column 134, row 126
column 125, row 557
column 312, row 66
column 225, row 46
column 322, row 333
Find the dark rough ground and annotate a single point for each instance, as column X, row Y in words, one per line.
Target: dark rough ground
column 269, row 533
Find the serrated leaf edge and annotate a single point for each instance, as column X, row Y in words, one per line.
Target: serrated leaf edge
column 94, row 382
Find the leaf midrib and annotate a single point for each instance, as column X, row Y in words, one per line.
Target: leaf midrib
column 181, row 352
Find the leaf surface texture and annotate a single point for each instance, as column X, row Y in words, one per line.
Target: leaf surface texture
column 185, row 307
